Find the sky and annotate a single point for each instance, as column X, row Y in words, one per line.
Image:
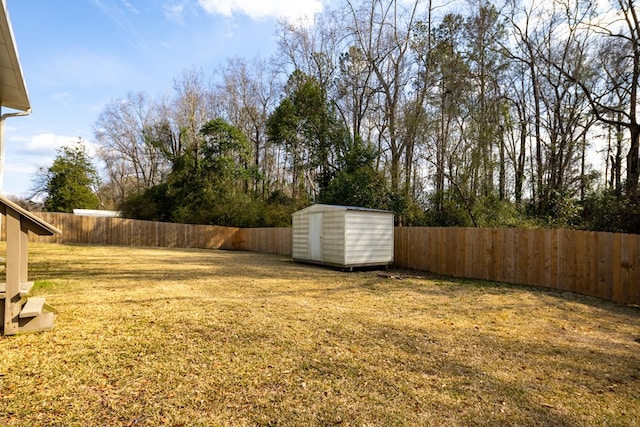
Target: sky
column 78, row 55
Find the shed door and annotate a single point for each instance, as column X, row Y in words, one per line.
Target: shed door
column 315, row 236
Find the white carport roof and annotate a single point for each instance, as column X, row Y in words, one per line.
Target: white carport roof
column 13, row 91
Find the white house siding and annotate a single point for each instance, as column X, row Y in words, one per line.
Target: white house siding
column 368, row 237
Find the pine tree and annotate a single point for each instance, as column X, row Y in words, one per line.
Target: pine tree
column 70, row 181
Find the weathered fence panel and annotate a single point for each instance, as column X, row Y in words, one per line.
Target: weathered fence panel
column 130, row 232
column 275, row 240
column 603, row 265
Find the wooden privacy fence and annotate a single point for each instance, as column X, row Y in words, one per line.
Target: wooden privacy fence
column 275, row 240
column 604, row 265
column 131, row 232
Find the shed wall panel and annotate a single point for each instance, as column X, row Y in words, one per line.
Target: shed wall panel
column 333, row 244
column 300, row 236
column 368, row 238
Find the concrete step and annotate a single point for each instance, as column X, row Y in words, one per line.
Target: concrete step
column 36, row 315
column 41, row 322
column 32, row 308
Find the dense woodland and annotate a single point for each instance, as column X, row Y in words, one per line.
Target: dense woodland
column 467, row 113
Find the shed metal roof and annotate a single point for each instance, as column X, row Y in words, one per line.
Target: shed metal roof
column 13, row 90
column 319, row 207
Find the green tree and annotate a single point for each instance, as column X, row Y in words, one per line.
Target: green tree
column 226, row 155
column 357, row 183
column 207, row 184
column 70, row 182
column 307, row 125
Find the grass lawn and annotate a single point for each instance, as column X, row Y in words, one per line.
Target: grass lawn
column 205, row 338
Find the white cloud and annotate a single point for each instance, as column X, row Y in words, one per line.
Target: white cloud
column 130, row 7
column 25, row 157
column 257, row 9
column 114, row 11
column 174, row 12
column 19, row 180
column 24, row 173
column 44, row 145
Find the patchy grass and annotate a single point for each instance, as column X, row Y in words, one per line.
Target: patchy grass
column 204, row 338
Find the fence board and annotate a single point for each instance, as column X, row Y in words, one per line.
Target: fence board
column 592, row 259
column 605, row 264
column 580, row 264
column 541, row 272
column 554, row 258
column 439, row 266
column 432, row 262
column 571, row 267
column 562, row 260
column 496, row 250
column 465, row 256
column 414, row 245
column 452, row 251
column 634, row 272
column 521, row 256
column 488, row 253
column 412, row 257
column 616, row 265
column 426, row 259
column 484, row 245
column 629, row 267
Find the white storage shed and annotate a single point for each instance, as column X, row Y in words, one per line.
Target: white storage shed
column 342, row 236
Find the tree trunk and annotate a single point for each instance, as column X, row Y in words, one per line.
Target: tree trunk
column 521, row 162
column 633, row 162
column 502, row 174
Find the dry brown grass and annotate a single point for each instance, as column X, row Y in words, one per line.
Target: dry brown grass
column 205, row 338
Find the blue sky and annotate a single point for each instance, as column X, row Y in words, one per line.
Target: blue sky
column 78, row 55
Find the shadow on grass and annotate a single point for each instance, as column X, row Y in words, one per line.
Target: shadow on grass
column 491, row 396
column 371, row 363
column 452, row 284
column 199, row 264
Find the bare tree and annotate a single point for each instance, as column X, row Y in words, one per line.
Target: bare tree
column 382, row 31
column 446, row 102
column 517, row 127
column 613, row 94
column 245, row 96
column 356, row 92
column 485, row 34
column 191, row 108
column 124, row 131
column 312, row 49
column 567, row 117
